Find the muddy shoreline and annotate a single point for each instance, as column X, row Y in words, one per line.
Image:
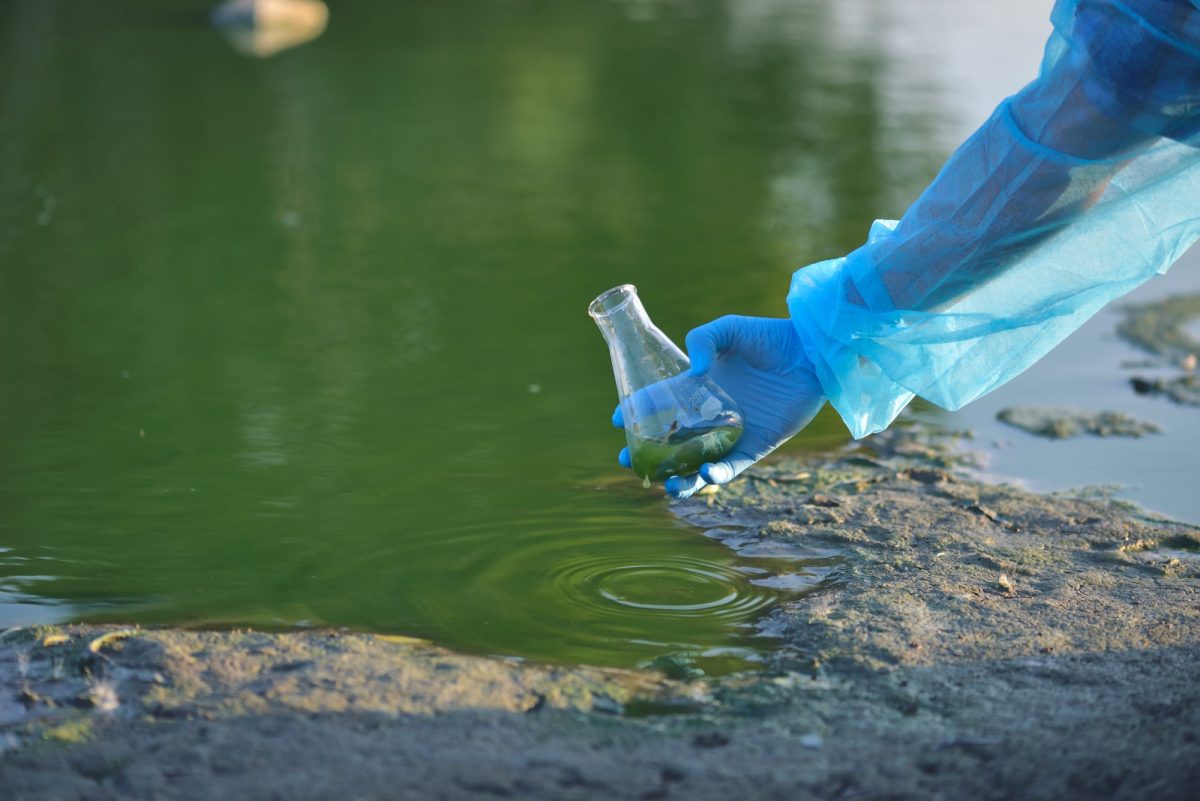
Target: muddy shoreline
column 985, row 642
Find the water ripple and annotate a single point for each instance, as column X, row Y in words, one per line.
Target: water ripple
column 669, row 587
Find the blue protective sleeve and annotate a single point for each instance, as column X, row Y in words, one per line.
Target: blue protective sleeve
column 1077, row 189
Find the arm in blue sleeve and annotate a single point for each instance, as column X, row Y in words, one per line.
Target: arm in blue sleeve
column 1077, row 189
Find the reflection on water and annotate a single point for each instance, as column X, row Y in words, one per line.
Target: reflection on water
column 269, row 338
column 263, row 28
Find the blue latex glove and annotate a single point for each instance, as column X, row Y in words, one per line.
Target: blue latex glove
column 760, row 362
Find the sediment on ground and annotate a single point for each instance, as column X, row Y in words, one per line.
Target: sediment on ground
column 981, row 641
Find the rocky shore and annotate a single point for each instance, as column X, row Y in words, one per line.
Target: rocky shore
column 983, row 642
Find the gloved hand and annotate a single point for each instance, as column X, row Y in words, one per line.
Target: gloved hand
column 761, row 363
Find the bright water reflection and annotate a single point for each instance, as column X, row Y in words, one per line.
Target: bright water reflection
column 302, row 341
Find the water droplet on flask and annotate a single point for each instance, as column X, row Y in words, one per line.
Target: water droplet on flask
column 646, row 483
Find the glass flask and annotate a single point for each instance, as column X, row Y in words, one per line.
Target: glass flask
column 674, row 422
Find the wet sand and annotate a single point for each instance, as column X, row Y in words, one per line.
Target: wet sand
column 983, row 642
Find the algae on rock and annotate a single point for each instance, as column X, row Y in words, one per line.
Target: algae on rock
column 1054, row 422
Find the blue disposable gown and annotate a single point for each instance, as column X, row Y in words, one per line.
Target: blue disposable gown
column 1076, row 190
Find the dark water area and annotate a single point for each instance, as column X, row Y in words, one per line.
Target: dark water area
column 302, row 341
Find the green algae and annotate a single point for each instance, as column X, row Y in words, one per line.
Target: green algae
column 681, row 453
column 70, row 732
column 1054, row 422
column 1161, row 327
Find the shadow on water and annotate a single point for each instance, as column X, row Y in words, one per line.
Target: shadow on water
column 302, row 341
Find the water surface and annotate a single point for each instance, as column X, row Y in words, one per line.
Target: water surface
column 302, row 342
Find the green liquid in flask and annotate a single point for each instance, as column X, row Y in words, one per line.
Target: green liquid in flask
column 681, row 453
column 675, row 426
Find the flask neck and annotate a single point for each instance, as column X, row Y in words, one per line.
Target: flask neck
column 641, row 354
column 620, row 315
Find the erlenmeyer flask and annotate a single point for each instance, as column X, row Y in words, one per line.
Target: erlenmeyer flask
column 674, row 422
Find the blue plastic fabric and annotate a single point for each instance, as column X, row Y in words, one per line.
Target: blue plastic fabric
column 1079, row 188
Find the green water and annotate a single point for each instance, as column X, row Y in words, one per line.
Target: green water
column 680, row 454
column 301, row 342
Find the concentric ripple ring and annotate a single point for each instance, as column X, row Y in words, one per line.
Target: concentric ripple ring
column 680, row 587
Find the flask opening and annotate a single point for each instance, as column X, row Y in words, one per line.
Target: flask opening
column 612, row 300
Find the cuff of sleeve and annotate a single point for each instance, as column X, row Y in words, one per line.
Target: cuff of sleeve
column 867, row 400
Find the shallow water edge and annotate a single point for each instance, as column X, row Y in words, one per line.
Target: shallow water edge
column 987, row 641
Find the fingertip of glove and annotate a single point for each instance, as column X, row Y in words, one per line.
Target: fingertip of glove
column 716, row 473
column 680, row 487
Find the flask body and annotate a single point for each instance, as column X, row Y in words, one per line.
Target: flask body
column 674, row 422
